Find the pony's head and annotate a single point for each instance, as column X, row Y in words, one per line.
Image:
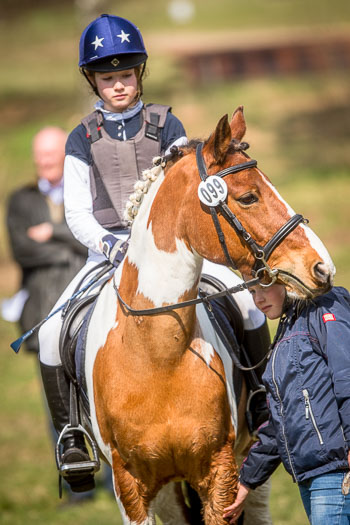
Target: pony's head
column 238, row 217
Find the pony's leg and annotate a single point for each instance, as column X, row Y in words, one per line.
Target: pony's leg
column 219, row 488
column 170, row 505
column 133, row 498
column 256, row 508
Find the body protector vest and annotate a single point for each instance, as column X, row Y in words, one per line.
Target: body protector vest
column 117, row 165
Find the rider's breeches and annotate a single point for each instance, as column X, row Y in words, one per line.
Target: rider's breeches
column 256, row 339
column 253, row 318
column 49, row 333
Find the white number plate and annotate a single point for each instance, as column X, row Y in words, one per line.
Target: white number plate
column 212, row 191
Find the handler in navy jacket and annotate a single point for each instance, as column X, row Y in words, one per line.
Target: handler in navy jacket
column 307, row 379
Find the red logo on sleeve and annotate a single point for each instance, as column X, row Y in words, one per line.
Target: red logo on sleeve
column 328, row 317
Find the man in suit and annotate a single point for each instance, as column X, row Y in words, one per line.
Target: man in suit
column 43, row 246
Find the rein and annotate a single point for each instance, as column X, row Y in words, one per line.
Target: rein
column 206, row 300
column 203, row 299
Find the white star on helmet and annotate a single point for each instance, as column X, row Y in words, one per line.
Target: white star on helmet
column 124, row 37
column 97, row 42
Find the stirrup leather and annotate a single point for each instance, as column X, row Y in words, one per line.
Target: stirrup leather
column 87, row 467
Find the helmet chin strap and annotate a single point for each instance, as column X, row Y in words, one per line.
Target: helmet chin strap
column 83, row 71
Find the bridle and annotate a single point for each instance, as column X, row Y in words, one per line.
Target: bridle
column 260, row 253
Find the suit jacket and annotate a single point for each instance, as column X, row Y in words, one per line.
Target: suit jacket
column 48, row 267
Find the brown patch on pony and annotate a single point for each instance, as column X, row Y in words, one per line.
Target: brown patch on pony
column 164, row 212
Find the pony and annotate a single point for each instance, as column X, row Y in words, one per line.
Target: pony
column 157, row 387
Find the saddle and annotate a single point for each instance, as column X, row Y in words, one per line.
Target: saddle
column 72, row 324
column 76, row 318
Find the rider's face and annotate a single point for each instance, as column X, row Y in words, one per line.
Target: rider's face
column 118, row 89
column 269, row 300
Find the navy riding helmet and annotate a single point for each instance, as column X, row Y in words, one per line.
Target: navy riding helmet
column 111, row 43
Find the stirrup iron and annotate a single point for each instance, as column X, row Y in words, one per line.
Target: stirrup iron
column 88, row 467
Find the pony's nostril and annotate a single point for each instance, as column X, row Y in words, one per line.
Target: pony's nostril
column 321, row 271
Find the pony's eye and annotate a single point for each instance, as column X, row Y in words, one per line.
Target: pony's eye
column 247, row 199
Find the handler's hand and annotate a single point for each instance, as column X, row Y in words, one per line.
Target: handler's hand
column 235, row 510
column 113, row 248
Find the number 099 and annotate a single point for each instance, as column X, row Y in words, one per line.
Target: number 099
column 212, row 191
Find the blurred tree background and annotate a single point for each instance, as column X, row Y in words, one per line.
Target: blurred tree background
column 298, row 127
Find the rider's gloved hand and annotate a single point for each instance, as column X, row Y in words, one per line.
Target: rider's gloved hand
column 114, row 249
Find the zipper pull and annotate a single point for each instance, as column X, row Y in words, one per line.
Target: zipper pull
column 307, row 404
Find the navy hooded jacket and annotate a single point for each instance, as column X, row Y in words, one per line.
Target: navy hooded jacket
column 307, row 379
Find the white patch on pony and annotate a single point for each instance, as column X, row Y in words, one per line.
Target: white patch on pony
column 102, row 321
column 290, row 210
column 320, row 248
column 178, row 269
column 314, row 240
column 214, row 341
column 205, row 349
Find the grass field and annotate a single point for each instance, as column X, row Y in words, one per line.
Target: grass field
column 299, row 131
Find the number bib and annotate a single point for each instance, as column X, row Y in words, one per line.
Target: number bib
column 212, row 191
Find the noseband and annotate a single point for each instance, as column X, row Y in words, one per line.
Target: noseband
column 261, row 253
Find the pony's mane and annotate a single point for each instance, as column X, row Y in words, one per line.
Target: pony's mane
column 150, row 175
column 141, row 187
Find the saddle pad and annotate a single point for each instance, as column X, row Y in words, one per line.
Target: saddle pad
column 210, row 335
column 229, row 338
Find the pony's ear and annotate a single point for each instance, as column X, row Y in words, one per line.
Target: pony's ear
column 219, row 141
column 237, row 124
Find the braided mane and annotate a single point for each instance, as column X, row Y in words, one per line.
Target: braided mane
column 150, row 175
column 141, row 187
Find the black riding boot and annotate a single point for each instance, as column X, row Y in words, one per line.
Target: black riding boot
column 57, row 390
column 256, row 344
